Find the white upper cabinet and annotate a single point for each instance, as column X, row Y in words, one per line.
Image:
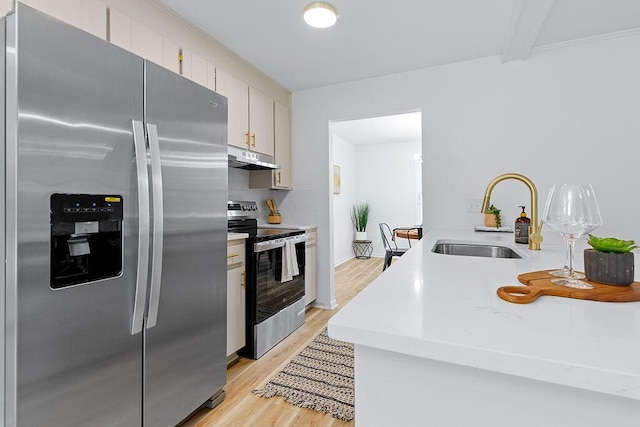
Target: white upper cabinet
column 141, row 40
column 238, row 128
column 281, row 178
column 69, row 11
column 89, row 15
column 199, row 70
column 119, row 29
column 221, row 82
column 250, row 117
column 94, row 18
column 171, row 56
column 146, row 43
column 261, row 122
column 282, row 129
column 6, row 6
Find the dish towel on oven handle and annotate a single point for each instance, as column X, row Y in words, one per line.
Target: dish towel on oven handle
column 289, row 261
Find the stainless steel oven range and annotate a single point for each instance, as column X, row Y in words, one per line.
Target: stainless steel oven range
column 275, row 307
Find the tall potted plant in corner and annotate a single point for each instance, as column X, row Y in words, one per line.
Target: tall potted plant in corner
column 359, row 218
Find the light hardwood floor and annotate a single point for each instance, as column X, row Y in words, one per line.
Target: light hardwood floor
column 243, row 408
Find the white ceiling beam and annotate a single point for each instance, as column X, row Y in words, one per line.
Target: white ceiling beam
column 526, row 23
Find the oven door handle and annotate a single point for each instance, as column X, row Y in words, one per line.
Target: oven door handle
column 268, row 245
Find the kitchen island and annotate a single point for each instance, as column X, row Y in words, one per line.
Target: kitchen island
column 435, row 345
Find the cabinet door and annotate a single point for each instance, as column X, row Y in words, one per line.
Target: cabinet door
column 94, row 18
column 119, row 29
column 171, row 56
column 261, row 122
column 194, row 67
column 282, row 177
column 69, row 11
column 221, row 82
column 310, row 271
column 6, row 6
column 211, row 77
column 238, row 127
column 146, row 43
column 236, row 283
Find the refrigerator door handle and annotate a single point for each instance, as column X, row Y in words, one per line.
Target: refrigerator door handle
column 158, row 226
column 140, row 149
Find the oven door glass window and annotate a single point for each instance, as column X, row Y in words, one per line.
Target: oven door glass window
column 271, row 294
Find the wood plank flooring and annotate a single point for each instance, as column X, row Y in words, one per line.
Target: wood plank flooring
column 243, row 408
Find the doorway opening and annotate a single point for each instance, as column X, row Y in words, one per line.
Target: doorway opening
column 378, row 161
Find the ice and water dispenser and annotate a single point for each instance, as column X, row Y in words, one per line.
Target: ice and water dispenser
column 86, row 238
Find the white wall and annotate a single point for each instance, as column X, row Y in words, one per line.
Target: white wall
column 344, row 155
column 386, row 181
column 239, row 190
column 567, row 114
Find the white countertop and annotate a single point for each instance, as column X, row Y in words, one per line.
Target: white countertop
column 236, row 236
column 445, row 307
column 288, row 226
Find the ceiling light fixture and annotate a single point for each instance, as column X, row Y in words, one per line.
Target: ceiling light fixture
column 320, row 15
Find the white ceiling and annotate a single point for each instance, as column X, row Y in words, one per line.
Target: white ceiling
column 379, row 37
column 381, row 130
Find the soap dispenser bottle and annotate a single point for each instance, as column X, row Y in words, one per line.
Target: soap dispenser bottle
column 522, row 227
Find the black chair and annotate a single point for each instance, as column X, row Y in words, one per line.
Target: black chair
column 390, row 246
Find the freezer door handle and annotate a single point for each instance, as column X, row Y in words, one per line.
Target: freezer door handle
column 158, row 226
column 140, row 149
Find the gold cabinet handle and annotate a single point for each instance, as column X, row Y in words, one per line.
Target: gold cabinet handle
column 279, row 177
column 243, row 282
column 232, row 255
column 247, row 140
column 253, row 137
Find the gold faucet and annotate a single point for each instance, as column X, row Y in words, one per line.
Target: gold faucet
column 535, row 229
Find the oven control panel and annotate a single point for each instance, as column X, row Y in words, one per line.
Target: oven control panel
column 278, row 242
column 239, row 210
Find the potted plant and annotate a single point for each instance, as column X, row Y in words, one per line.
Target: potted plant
column 610, row 261
column 492, row 217
column 359, row 218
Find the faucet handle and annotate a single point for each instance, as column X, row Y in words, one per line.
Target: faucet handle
column 535, row 236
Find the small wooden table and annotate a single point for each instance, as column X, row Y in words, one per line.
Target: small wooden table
column 362, row 249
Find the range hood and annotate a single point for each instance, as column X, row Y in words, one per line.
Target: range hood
column 245, row 159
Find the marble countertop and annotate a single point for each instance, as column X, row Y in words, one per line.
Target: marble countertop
column 236, row 236
column 445, row 307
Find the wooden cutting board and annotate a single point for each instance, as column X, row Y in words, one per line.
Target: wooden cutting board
column 538, row 283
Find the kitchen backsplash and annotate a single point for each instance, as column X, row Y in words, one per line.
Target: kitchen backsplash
column 297, row 207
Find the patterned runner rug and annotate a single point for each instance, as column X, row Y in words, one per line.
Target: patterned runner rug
column 320, row 377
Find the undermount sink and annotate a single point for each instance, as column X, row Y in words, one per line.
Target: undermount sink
column 474, row 249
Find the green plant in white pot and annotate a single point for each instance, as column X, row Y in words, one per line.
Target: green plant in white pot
column 610, row 261
column 359, row 218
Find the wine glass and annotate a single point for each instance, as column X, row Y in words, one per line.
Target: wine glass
column 572, row 210
column 564, row 271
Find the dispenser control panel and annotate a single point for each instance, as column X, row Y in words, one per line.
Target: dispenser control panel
column 86, row 238
column 85, row 207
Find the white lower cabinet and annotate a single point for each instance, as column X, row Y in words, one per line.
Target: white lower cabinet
column 236, row 294
column 310, row 254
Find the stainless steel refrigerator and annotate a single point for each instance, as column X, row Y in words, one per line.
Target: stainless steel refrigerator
column 115, row 189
